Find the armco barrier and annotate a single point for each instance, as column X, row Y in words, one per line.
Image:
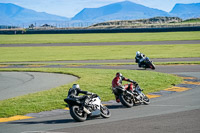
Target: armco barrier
column 124, row 30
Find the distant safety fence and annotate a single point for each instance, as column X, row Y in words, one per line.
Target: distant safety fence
column 95, row 25
column 105, row 30
column 91, row 28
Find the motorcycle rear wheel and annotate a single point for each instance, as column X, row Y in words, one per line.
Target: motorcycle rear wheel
column 105, row 113
column 78, row 114
column 126, row 100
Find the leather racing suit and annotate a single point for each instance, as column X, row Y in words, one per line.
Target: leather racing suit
column 140, row 59
column 74, row 92
column 117, row 83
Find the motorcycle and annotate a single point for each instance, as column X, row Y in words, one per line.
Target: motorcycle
column 140, row 97
column 130, row 98
column 147, row 63
column 81, row 110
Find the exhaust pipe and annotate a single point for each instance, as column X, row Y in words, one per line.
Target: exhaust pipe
column 129, row 93
column 86, row 110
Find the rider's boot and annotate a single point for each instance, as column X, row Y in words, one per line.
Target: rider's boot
column 117, row 99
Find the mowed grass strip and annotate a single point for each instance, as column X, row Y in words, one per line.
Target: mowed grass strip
column 93, row 80
column 36, row 64
column 97, row 37
column 17, row 54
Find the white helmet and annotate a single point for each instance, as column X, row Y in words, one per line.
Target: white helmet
column 75, row 86
column 138, row 53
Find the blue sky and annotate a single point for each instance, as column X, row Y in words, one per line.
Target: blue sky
column 69, row 8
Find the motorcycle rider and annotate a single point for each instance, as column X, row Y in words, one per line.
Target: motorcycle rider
column 139, row 58
column 117, row 83
column 74, row 92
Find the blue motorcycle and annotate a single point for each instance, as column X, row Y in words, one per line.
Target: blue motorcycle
column 147, row 63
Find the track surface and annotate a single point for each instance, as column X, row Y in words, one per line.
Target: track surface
column 108, row 61
column 172, row 112
column 101, row 44
column 14, row 84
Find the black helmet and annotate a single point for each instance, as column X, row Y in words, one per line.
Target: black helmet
column 118, row 74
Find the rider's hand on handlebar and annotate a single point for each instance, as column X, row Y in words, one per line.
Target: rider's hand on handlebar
column 85, row 96
column 135, row 83
column 93, row 94
column 122, row 87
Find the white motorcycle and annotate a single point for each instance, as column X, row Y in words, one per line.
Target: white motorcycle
column 81, row 110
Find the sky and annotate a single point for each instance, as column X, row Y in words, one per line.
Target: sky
column 69, row 8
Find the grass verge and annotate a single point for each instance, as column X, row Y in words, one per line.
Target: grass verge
column 94, row 80
column 16, row 54
column 98, row 37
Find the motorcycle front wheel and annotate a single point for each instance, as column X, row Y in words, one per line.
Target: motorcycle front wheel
column 105, row 113
column 151, row 65
column 146, row 100
column 78, row 114
column 126, row 100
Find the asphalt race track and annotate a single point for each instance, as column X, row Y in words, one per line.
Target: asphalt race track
column 101, row 44
column 173, row 112
column 14, row 84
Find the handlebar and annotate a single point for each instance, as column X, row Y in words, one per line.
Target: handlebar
column 94, row 95
column 91, row 96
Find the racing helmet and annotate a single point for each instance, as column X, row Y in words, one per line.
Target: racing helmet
column 138, row 53
column 118, row 74
column 75, row 86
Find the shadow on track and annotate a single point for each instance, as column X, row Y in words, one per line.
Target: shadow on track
column 115, row 106
column 60, row 121
column 45, row 122
column 118, row 106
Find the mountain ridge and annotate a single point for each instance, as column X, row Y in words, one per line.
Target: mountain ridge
column 186, row 11
column 11, row 14
column 126, row 9
column 14, row 14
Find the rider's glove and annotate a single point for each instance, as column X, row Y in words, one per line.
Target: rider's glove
column 140, row 89
column 85, row 96
column 93, row 94
column 135, row 83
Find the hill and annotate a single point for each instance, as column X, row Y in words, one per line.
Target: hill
column 186, row 11
column 11, row 14
column 151, row 22
column 118, row 11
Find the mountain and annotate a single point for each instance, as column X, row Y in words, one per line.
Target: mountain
column 186, row 11
column 118, row 11
column 11, row 14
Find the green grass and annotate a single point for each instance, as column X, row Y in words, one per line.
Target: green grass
column 195, row 20
column 17, row 54
column 94, row 80
column 99, row 37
